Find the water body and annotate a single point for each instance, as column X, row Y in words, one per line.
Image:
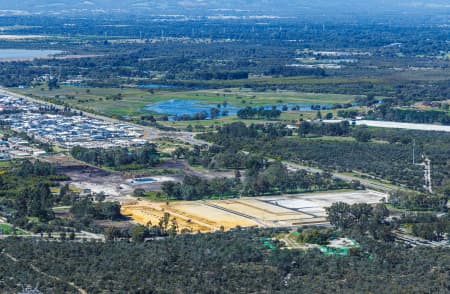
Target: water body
column 158, row 86
column 142, row 180
column 21, row 54
column 178, row 107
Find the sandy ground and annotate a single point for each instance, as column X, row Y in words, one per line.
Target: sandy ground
column 250, row 209
column 145, row 212
column 276, row 211
column 212, row 215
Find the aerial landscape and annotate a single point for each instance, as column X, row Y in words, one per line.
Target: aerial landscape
column 234, row 146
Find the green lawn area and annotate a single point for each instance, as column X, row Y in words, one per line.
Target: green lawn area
column 4, row 165
column 286, row 117
column 134, row 100
column 6, row 229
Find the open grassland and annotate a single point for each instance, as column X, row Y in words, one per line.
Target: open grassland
column 7, row 229
column 132, row 101
column 206, row 125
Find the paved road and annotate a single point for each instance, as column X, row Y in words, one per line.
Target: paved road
column 368, row 184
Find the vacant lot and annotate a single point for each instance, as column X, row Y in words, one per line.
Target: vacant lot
column 276, row 211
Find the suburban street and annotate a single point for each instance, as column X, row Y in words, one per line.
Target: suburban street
column 149, row 132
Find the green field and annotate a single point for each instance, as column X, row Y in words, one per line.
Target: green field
column 206, row 125
column 6, row 229
column 134, row 100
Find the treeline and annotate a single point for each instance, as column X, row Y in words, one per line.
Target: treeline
column 410, row 115
column 216, row 157
column 227, row 262
column 27, row 201
column 419, row 201
column 117, row 157
column 218, row 75
column 292, row 71
column 370, row 154
column 37, row 168
column 202, row 115
column 386, row 161
column 259, row 179
column 258, row 113
column 86, row 209
column 324, row 129
column 427, row 226
column 195, row 188
column 361, row 219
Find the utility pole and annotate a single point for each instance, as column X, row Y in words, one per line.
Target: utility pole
column 414, row 152
column 428, row 183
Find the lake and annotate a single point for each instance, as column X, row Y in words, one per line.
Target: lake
column 178, row 107
column 157, row 86
column 21, row 54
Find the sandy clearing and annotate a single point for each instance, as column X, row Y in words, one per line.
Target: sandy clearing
column 274, row 211
column 264, row 215
column 218, row 217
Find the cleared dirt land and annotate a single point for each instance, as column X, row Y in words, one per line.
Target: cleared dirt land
column 276, row 211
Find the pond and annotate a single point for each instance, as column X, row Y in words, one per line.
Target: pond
column 142, row 180
column 158, row 86
column 21, row 54
column 178, row 107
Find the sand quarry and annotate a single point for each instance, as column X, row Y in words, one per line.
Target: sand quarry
column 268, row 212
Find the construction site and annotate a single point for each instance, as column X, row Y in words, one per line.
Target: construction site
column 266, row 212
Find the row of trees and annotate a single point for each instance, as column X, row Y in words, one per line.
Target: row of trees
column 370, row 155
column 419, row 201
column 360, row 219
column 258, row 113
column 116, row 157
column 194, row 188
column 260, row 179
column 385, row 112
column 324, row 129
column 86, row 209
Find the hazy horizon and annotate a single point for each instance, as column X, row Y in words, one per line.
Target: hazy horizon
column 295, row 8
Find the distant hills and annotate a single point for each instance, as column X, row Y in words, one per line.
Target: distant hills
column 231, row 7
